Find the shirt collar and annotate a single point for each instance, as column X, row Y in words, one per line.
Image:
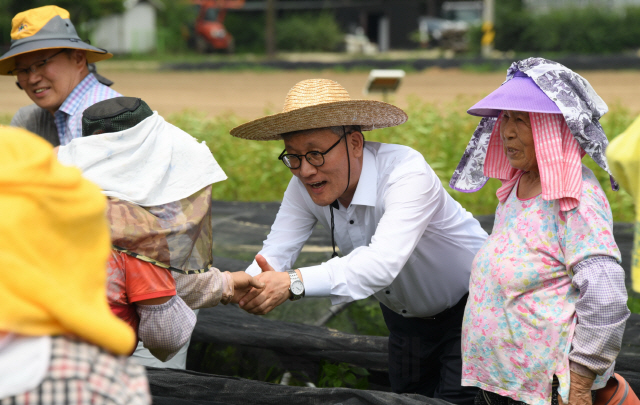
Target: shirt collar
column 74, row 99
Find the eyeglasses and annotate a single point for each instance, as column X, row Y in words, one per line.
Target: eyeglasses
column 315, row 158
column 36, row 67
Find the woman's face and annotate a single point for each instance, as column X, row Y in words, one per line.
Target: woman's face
column 517, row 139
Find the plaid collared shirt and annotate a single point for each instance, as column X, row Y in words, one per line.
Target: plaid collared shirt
column 68, row 118
column 83, row 374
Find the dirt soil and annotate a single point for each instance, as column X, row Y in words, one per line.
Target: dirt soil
column 250, row 94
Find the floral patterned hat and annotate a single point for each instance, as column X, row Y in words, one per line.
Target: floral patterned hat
column 573, row 96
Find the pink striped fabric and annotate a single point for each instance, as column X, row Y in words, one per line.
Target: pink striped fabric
column 559, row 159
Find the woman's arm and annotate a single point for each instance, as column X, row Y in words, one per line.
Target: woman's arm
column 166, row 327
column 602, row 314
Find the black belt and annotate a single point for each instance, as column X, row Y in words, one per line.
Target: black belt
column 449, row 311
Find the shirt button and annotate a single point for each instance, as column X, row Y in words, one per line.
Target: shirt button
column 351, row 222
column 387, row 292
column 404, row 311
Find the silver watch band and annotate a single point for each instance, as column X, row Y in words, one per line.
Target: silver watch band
column 296, row 288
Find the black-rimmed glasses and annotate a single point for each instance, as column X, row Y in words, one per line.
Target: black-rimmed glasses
column 23, row 74
column 315, row 158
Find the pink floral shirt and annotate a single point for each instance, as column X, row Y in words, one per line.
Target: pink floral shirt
column 520, row 317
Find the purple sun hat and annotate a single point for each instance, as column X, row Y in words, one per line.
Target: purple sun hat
column 520, row 93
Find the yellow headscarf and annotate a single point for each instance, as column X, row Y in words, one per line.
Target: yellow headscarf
column 623, row 155
column 54, row 242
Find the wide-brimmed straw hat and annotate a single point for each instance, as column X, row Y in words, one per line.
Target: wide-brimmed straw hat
column 520, row 93
column 320, row 103
column 47, row 27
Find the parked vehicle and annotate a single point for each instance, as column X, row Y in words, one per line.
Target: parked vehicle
column 450, row 31
column 208, row 34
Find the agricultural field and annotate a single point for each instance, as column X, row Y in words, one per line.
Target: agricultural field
column 208, row 104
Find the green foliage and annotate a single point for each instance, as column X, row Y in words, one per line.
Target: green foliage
column 574, row 30
column 299, row 32
column 342, row 375
column 254, row 172
column 308, row 33
column 362, row 317
column 174, row 22
column 441, row 134
column 5, row 119
column 511, row 21
column 247, row 30
column 80, row 11
column 634, row 303
column 474, row 38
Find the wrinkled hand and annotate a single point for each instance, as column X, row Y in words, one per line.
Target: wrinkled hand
column 275, row 292
column 580, row 391
column 242, row 283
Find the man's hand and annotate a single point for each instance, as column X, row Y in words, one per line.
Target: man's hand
column 242, row 283
column 580, row 390
column 275, row 292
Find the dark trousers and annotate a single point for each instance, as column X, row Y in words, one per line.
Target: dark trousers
column 425, row 356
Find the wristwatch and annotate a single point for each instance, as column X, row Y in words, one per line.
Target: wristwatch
column 296, row 289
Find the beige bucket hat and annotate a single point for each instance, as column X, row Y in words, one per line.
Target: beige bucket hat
column 320, row 103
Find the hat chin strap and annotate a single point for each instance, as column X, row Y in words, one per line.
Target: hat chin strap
column 333, row 242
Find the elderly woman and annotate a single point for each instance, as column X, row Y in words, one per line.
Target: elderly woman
column 547, row 299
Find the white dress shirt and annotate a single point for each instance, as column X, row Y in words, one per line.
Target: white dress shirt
column 404, row 239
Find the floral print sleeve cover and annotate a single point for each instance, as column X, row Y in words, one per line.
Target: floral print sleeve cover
column 520, row 317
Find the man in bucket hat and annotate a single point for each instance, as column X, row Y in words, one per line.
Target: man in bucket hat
column 403, row 238
column 50, row 63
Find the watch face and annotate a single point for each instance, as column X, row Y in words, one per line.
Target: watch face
column 297, row 288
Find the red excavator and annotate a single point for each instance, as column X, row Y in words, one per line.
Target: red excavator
column 208, row 34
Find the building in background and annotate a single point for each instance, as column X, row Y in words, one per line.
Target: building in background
column 133, row 31
column 544, row 6
column 391, row 24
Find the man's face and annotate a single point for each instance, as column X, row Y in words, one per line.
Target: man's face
column 328, row 182
column 52, row 83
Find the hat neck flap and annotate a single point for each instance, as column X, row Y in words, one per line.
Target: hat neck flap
column 581, row 108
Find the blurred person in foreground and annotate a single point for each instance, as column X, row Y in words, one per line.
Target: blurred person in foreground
column 623, row 154
column 547, row 298
column 157, row 179
column 404, row 239
column 52, row 65
column 59, row 341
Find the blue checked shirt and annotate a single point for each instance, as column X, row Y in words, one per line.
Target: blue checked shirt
column 68, row 118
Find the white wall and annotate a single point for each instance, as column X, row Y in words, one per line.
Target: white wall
column 134, row 31
column 542, row 6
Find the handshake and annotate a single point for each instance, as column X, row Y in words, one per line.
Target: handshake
column 260, row 294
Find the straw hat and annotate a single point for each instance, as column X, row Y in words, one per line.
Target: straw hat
column 320, row 103
column 47, row 27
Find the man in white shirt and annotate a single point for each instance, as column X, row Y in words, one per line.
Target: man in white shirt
column 403, row 238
